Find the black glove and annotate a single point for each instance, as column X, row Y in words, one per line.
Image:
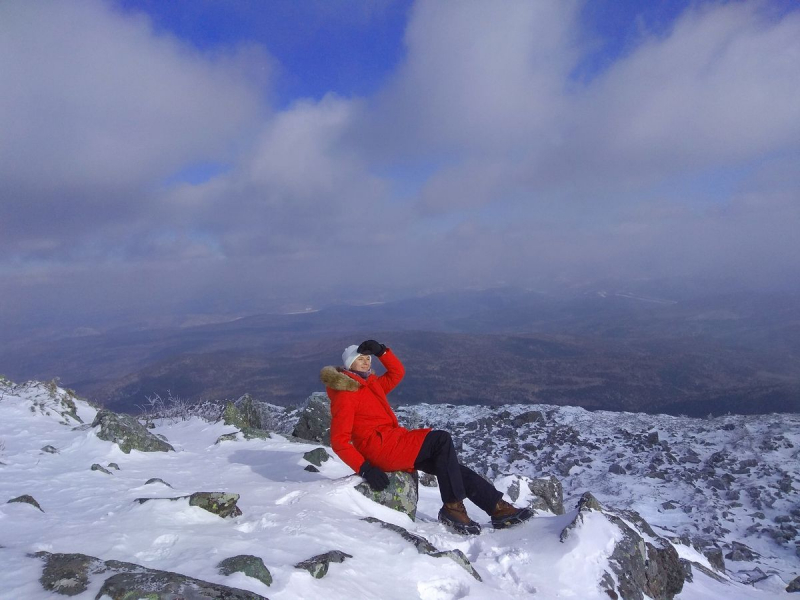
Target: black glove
column 377, row 479
column 371, row 347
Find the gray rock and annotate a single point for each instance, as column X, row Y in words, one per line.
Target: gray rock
column 549, row 495
column 227, row 437
column 156, row 480
column 652, row 438
column 71, row 574
column 314, row 423
column 114, row 466
column 423, row 546
column 311, row 469
column 740, row 552
column 26, row 499
column 127, row 433
column 428, row 480
column 794, row 585
column 50, row 449
column 317, row 456
column 617, row 469
column 252, row 566
column 402, row 493
column 318, row 565
column 641, row 567
column 102, row 469
column 532, row 416
column 222, row 504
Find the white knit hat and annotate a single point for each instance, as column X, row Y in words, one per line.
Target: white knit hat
column 349, row 355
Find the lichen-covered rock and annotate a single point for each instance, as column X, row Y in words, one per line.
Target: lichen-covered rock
column 550, row 495
column 127, row 433
column 102, row 469
column 71, row 574
column 252, row 566
column 243, row 414
column 68, row 574
column 219, row 503
column 314, row 423
column 26, row 499
column 651, row 568
column 163, row 585
column 423, row 546
column 222, row 504
column 317, row 456
column 318, row 565
column 402, row 493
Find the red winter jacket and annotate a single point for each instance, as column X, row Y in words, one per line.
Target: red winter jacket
column 363, row 425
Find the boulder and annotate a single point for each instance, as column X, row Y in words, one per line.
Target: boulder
column 741, row 552
column 243, row 414
column 252, row 566
column 317, row 456
column 402, row 493
column 127, row 433
column 423, row 546
column 26, row 499
column 114, row 466
column 314, row 423
column 794, row 585
column 50, row 449
column 549, row 493
column 96, row 467
column 428, row 480
column 617, row 469
column 318, row 565
column 222, row 504
column 71, row 574
column 652, row 568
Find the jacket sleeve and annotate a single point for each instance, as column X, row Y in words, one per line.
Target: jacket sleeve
column 394, row 371
column 342, row 414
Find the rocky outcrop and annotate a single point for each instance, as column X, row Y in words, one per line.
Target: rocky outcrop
column 402, row 493
column 252, row 566
column 127, row 433
column 153, row 480
column 741, row 552
column 794, row 585
column 318, row 565
column 314, row 423
column 423, row 546
column 641, row 567
column 317, row 456
column 221, row 504
column 71, row 574
column 245, row 416
column 26, row 499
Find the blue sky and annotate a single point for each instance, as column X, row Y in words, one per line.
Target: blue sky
column 233, row 156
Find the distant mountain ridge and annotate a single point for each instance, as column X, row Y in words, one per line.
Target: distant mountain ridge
column 601, row 349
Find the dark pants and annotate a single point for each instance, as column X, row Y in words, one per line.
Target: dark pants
column 456, row 482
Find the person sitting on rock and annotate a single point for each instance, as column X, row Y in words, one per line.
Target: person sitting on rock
column 365, row 434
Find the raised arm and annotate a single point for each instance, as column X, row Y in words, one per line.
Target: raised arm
column 394, row 371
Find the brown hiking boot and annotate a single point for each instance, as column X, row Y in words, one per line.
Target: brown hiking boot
column 506, row 515
column 454, row 516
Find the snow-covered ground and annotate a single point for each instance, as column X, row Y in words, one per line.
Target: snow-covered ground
column 290, row 514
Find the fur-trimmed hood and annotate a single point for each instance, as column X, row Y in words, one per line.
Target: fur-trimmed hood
column 336, row 379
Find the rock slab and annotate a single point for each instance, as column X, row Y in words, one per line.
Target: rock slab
column 402, row 494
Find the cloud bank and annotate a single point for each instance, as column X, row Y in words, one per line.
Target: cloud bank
column 488, row 155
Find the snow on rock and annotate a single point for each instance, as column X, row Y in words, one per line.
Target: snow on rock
column 289, row 514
